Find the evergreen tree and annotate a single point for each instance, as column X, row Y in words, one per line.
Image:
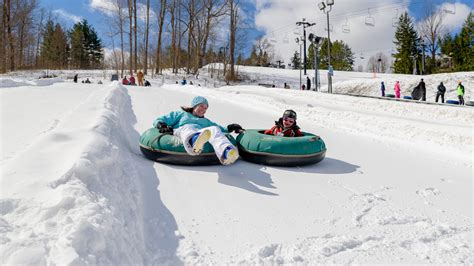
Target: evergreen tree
column 342, row 57
column 54, row 48
column 407, row 45
column 460, row 47
column 295, row 60
column 86, row 47
column 464, row 46
column 253, row 59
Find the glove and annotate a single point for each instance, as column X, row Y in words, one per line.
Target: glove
column 234, row 127
column 164, row 128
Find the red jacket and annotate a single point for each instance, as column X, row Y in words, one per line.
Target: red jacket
column 278, row 130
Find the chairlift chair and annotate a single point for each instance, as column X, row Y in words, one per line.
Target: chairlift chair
column 395, row 20
column 346, row 28
column 369, row 21
column 272, row 38
column 450, row 9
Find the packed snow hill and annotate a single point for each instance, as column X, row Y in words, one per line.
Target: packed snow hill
column 395, row 185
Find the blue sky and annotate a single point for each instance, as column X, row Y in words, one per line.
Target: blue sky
column 275, row 19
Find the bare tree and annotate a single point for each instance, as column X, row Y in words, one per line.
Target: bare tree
column 234, row 11
column 432, row 28
column 378, row 63
column 130, row 34
column 135, row 63
column 8, row 26
column 147, row 28
column 161, row 20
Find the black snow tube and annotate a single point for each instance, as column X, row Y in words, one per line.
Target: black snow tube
column 470, row 103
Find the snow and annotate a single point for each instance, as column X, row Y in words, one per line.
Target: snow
column 395, row 186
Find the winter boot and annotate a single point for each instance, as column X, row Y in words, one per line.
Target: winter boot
column 199, row 139
column 230, row 155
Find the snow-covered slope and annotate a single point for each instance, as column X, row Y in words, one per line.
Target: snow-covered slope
column 395, row 186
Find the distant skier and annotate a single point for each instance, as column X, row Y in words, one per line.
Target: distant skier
column 460, row 90
column 441, row 91
column 382, row 89
column 194, row 130
column 396, row 88
column 308, row 83
column 285, row 126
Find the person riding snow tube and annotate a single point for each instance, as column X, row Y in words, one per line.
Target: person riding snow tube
column 257, row 147
column 169, row 149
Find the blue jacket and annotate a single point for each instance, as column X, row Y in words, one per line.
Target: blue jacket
column 178, row 119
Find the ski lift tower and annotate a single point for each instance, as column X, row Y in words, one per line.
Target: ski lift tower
column 316, row 40
column 305, row 25
column 326, row 7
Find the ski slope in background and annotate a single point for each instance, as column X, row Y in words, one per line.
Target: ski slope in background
column 395, row 186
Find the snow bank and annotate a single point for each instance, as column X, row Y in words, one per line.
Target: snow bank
column 92, row 214
column 11, row 82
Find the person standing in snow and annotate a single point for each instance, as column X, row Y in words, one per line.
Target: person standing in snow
column 194, row 130
column 308, row 83
column 440, row 92
column 382, row 88
column 285, row 126
column 396, row 88
column 75, row 78
column 422, row 87
column 460, row 90
column 140, row 78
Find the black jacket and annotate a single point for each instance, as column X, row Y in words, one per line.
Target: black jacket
column 441, row 89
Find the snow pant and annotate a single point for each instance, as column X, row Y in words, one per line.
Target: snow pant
column 140, row 82
column 218, row 140
column 461, row 99
column 438, row 95
column 397, row 94
column 383, row 93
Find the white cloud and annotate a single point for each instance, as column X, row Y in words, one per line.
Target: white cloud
column 278, row 20
column 67, row 16
column 455, row 20
column 108, row 7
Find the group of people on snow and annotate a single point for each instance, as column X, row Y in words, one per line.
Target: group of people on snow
column 87, row 80
column 195, row 130
column 141, row 81
column 419, row 92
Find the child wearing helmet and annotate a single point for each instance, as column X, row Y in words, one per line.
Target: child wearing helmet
column 285, row 126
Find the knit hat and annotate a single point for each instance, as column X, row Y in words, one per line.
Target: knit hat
column 290, row 114
column 198, row 100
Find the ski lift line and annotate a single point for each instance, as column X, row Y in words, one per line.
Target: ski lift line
column 353, row 14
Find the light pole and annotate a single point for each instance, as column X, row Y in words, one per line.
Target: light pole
column 305, row 25
column 322, row 6
column 316, row 40
column 298, row 41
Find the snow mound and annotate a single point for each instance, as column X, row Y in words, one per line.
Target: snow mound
column 11, row 82
column 96, row 215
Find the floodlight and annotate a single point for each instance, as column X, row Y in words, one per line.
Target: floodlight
column 330, row 2
column 321, row 6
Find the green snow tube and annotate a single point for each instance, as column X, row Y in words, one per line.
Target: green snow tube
column 165, row 148
column 256, row 147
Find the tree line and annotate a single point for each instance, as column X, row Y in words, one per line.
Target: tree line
column 445, row 52
column 188, row 36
